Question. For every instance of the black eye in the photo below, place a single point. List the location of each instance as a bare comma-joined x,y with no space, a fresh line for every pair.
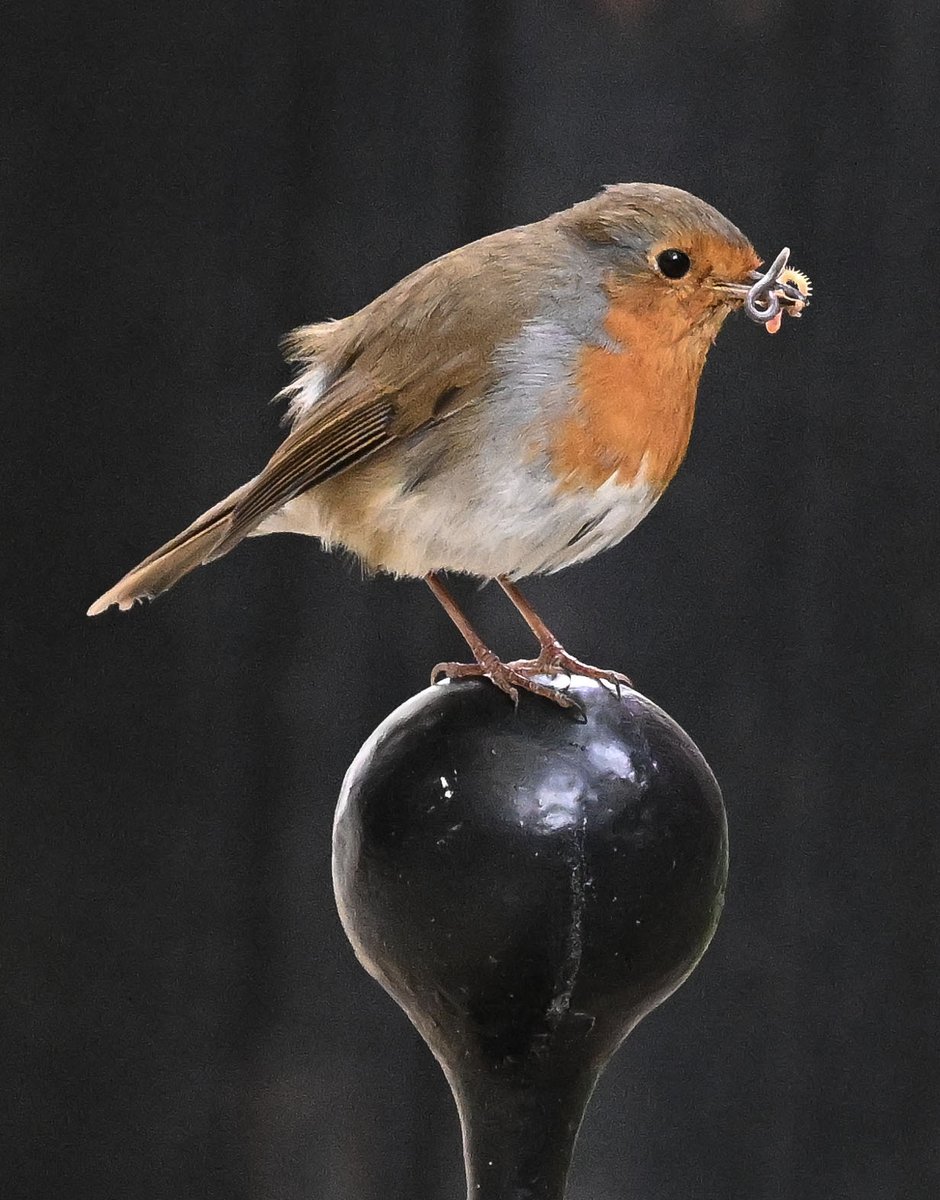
673,263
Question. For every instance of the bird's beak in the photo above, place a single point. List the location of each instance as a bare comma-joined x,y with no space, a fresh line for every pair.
766,295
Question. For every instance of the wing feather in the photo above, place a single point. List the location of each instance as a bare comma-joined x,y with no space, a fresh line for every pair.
325,445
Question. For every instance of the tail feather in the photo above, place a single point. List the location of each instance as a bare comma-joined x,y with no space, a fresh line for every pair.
182,554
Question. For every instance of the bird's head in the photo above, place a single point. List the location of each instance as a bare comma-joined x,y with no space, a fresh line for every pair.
664,250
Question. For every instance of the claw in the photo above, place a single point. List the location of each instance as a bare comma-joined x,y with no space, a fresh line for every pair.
555,660
510,678
522,675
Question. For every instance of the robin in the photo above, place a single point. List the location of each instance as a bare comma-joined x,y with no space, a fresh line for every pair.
509,409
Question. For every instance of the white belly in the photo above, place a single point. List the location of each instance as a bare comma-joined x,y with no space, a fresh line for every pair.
476,493
520,526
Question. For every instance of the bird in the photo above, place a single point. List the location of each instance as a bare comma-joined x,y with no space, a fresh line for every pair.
507,410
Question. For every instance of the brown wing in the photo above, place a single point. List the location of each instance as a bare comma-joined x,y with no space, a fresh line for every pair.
333,440
417,354
421,351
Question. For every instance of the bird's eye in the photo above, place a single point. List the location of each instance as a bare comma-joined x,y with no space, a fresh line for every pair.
673,263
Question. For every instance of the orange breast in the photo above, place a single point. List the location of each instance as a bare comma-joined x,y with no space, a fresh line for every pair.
636,402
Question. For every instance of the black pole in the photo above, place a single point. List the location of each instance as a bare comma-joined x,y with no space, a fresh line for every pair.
528,884
519,1133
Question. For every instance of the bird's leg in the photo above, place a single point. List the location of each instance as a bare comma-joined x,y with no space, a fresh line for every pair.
505,675
553,657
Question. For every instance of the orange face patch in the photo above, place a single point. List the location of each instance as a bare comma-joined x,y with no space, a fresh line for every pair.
636,402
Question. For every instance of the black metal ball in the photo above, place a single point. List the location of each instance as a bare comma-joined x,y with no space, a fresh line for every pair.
528,882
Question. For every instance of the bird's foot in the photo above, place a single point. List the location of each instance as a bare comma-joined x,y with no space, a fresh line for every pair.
508,677
555,660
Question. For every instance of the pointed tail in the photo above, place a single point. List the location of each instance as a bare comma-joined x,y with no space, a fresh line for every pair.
190,549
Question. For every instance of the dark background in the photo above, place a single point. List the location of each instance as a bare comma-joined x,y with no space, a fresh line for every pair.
182,183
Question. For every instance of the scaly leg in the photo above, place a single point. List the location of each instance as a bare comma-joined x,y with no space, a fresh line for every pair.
553,657
508,677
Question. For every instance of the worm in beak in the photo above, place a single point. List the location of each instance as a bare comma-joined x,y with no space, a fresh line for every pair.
767,295
777,290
